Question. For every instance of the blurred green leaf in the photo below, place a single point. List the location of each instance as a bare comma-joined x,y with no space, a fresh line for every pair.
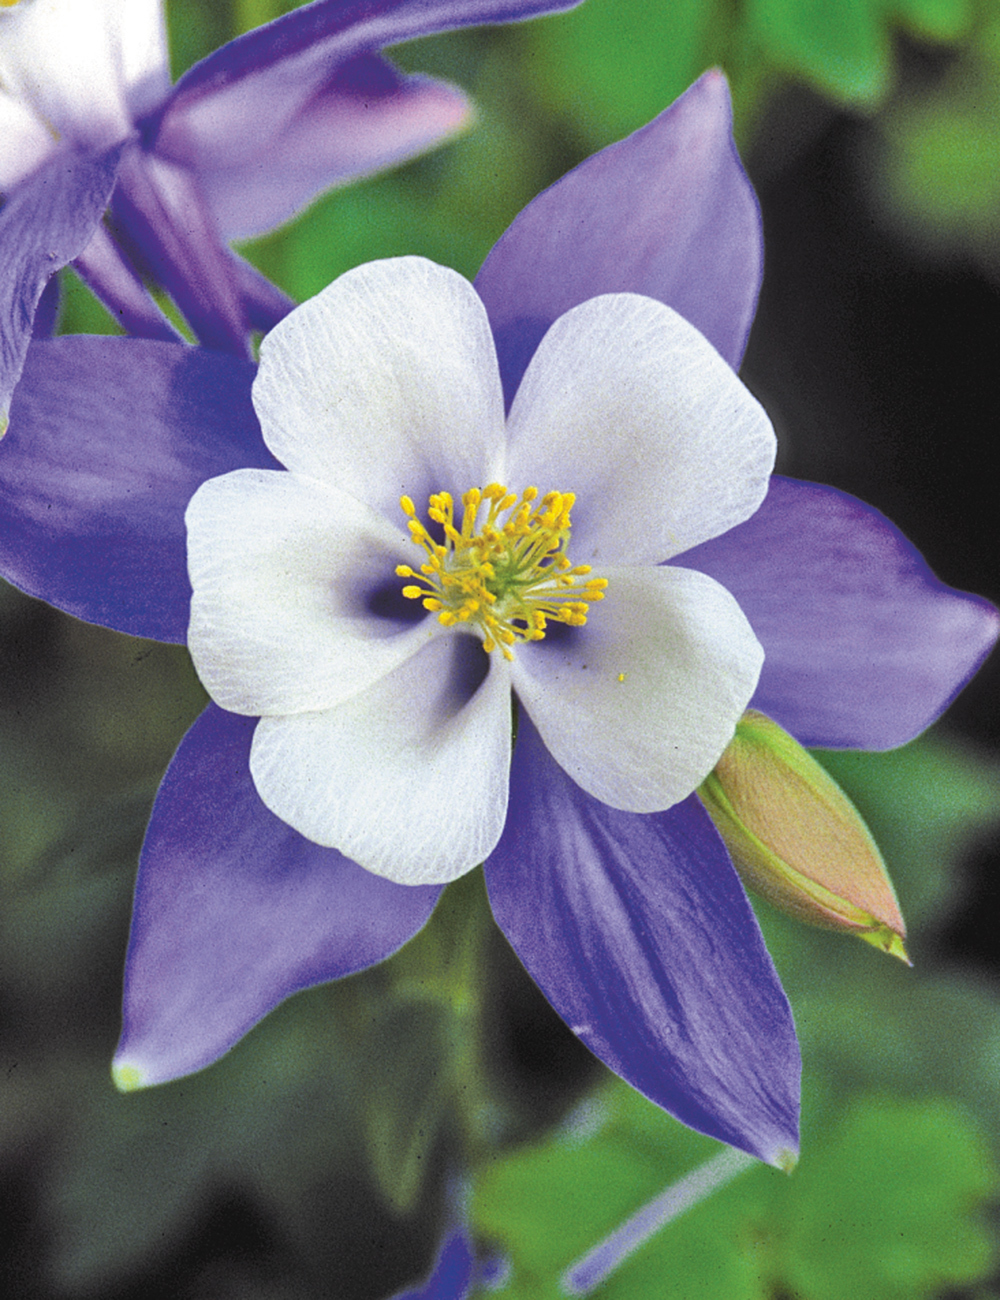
885,1205
925,804
935,20
612,65
839,46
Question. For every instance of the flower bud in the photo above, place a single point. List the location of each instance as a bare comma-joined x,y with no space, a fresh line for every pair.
796,838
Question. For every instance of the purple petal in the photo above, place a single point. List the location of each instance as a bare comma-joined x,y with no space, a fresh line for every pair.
638,932
47,311
107,273
159,208
234,911
863,646
452,1274
301,50
264,303
44,224
108,440
668,212
366,117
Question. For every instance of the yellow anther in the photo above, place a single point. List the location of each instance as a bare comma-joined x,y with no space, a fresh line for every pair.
507,577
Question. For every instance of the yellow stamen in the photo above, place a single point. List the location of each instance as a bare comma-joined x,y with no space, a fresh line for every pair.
507,575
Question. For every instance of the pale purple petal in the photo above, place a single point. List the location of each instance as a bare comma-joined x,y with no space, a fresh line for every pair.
84,67
302,50
363,118
108,440
863,646
667,212
44,224
234,911
159,205
638,932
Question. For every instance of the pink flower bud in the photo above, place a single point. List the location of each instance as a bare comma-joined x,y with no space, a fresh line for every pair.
796,838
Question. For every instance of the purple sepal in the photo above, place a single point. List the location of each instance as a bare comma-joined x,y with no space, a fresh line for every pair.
47,311
863,646
158,207
667,212
234,910
108,440
452,1274
302,49
44,224
264,303
364,117
107,273
637,930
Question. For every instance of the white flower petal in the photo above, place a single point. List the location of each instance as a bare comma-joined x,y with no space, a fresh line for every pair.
385,383
632,409
638,705
85,67
25,141
293,584
410,778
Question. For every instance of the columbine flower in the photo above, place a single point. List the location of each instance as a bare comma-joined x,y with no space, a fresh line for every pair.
633,923
390,739
243,141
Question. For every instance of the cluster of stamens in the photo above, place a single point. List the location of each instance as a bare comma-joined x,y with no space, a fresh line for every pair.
507,576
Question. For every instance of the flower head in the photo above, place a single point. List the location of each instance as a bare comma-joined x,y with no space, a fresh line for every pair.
632,922
385,729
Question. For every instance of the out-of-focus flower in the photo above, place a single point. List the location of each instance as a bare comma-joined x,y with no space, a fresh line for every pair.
388,737
452,1274
634,924
245,139
796,838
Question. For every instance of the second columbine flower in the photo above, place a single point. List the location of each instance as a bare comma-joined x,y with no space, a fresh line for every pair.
382,674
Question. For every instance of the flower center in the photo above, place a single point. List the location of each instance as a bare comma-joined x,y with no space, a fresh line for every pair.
508,575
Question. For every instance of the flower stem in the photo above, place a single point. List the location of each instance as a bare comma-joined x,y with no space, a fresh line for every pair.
591,1269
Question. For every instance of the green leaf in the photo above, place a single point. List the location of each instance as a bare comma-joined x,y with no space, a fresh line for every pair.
925,804
884,1205
840,46
946,21
611,65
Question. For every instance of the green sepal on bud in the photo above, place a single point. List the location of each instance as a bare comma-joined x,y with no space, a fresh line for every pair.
797,840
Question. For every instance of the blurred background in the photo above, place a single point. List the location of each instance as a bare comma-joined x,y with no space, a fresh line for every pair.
325,1154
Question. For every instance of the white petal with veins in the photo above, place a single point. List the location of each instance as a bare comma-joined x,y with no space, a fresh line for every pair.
284,571
385,383
638,705
409,778
631,408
